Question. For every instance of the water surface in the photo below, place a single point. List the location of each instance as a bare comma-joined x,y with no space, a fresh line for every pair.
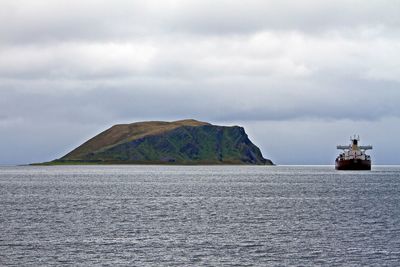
199,216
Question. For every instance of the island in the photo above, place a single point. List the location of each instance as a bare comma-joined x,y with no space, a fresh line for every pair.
183,142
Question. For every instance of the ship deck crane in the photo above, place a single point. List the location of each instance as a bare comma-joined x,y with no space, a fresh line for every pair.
354,145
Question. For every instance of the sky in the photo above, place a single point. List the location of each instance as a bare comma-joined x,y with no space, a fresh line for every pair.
300,76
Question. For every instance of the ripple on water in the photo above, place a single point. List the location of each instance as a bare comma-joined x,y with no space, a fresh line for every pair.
198,215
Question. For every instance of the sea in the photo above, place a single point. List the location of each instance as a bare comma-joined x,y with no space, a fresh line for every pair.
199,216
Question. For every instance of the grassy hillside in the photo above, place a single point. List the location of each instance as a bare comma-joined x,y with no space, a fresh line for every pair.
121,133
179,142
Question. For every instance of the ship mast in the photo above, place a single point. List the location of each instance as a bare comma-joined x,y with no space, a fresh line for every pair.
354,145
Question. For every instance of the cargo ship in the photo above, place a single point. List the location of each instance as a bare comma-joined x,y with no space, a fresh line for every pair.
353,156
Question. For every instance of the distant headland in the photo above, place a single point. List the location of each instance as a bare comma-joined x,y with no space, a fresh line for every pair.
183,142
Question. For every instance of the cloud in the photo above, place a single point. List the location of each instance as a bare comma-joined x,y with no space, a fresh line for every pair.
72,20
221,100
82,66
274,54
74,60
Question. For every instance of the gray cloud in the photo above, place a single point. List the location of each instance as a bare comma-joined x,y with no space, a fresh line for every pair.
27,21
69,69
221,101
279,56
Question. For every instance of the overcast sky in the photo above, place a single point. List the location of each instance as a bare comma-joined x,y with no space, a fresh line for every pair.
300,76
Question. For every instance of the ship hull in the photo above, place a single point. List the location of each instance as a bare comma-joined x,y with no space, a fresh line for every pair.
353,164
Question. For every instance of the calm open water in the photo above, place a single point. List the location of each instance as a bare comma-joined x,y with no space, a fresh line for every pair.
199,216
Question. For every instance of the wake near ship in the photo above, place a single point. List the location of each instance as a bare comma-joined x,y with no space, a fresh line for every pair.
353,156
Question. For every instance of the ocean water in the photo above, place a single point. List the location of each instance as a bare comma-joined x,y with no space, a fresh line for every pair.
199,216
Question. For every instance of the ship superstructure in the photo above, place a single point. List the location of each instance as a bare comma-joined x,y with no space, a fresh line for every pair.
353,156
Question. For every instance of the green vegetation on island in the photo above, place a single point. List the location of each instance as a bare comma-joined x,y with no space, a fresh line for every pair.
156,142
